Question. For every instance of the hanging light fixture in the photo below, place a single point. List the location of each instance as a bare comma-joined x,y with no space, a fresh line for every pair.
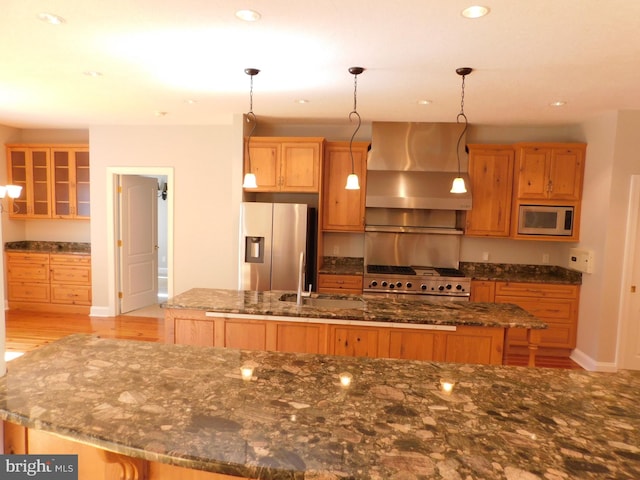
11,191
352,179
250,177
458,185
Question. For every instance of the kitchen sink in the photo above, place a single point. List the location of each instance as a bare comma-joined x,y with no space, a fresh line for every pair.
325,301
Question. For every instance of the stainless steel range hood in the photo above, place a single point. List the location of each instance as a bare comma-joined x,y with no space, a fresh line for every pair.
412,166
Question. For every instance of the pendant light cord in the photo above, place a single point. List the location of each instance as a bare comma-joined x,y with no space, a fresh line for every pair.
251,117
464,130
355,113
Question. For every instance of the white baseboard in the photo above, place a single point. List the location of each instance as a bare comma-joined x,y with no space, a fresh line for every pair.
101,312
588,363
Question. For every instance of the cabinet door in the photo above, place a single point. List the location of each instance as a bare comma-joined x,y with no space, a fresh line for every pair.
70,177
480,345
265,164
491,173
301,338
30,168
412,344
565,174
300,167
483,291
355,342
193,332
533,179
342,209
245,334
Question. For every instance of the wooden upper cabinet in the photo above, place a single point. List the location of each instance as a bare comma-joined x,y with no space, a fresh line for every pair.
342,209
491,173
54,180
70,177
549,172
29,167
284,164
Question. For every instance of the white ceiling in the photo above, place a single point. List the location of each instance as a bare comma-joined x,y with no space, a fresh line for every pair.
157,55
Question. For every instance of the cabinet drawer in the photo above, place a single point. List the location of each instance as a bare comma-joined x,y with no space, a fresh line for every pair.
558,335
62,259
28,292
538,290
340,282
26,257
71,274
71,294
30,272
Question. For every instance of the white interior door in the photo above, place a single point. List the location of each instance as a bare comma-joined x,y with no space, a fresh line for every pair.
630,346
138,242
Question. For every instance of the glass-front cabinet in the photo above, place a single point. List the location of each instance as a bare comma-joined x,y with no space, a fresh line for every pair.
54,181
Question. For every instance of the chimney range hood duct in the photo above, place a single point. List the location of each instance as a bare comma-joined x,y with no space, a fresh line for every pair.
412,165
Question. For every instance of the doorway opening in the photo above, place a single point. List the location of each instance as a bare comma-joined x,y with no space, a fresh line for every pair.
142,242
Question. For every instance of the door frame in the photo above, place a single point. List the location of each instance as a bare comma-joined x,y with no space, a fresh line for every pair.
632,247
112,227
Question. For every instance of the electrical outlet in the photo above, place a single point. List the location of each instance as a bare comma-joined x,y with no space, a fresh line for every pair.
336,250
545,258
485,256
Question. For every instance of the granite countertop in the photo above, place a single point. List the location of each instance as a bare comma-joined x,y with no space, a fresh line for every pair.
507,272
48,247
188,406
401,310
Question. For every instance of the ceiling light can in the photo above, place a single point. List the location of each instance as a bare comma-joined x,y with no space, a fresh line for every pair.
475,11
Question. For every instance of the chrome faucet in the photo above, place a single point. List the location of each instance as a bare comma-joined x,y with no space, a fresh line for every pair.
301,293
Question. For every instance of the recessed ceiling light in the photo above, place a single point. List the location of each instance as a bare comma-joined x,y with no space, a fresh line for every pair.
475,11
301,101
424,102
161,114
558,103
190,101
248,15
51,18
92,73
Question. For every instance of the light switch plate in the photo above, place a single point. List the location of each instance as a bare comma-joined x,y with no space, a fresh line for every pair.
581,260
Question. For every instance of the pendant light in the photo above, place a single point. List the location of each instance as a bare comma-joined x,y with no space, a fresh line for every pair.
352,179
458,185
250,177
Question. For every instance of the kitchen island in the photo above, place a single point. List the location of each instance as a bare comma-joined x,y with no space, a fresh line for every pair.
152,408
404,327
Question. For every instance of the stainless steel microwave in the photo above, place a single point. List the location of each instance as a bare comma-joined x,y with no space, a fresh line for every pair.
545,220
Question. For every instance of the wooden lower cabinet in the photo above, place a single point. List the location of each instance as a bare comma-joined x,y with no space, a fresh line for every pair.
340,283
555,304
49,282
483,345
95,463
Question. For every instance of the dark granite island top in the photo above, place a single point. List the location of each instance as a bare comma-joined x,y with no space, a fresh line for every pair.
188,406
415,312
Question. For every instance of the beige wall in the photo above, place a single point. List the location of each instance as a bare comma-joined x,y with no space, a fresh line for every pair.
207,164
612,157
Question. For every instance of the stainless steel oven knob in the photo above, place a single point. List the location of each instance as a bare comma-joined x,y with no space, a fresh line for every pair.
458,287
399,284
423,286
441,288
374,283
409,284
449,286
384,284
391,285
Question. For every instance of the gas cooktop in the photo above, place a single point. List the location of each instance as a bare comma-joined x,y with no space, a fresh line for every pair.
414,270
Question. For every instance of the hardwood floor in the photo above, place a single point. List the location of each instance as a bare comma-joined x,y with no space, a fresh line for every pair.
28,330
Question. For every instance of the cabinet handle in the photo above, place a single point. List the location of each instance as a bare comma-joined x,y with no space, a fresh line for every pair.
550,186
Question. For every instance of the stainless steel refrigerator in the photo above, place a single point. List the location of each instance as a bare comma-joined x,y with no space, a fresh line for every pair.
272,236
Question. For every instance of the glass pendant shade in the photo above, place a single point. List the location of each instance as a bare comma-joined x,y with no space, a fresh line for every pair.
12,191
352,182
458,185
250,181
